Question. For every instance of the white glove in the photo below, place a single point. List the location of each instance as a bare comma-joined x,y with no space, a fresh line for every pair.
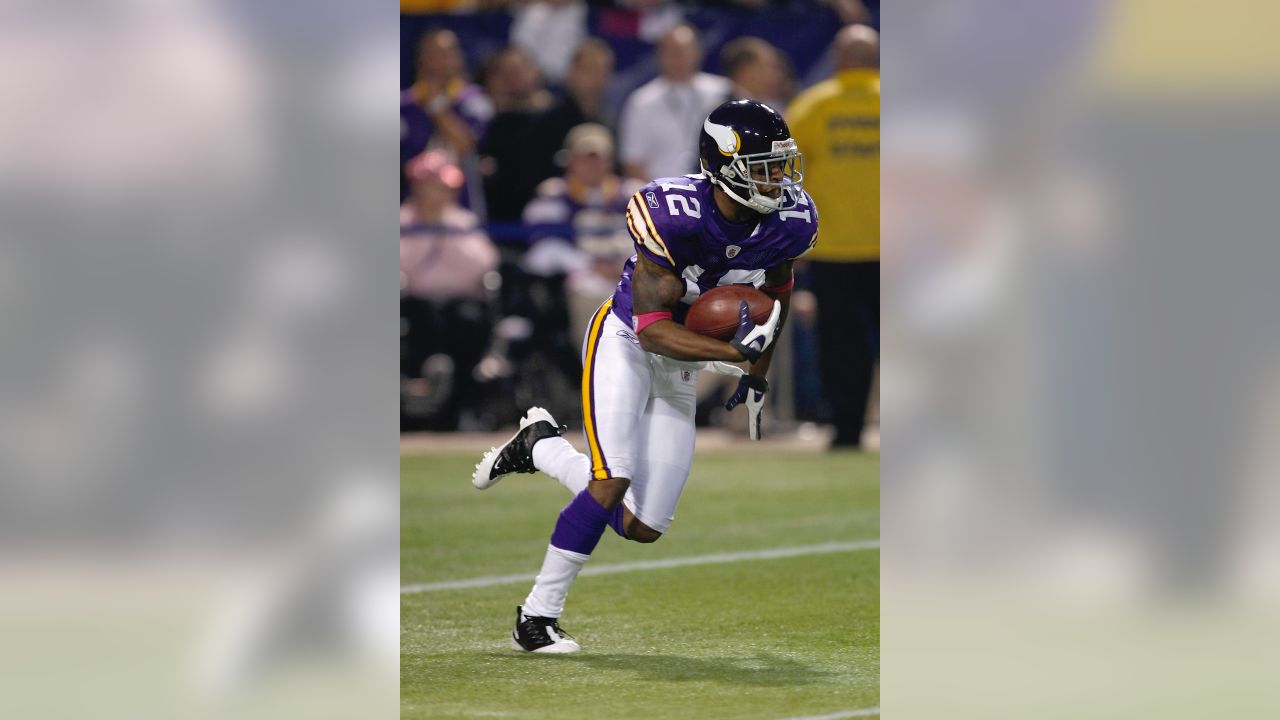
723,368
752,389
752,339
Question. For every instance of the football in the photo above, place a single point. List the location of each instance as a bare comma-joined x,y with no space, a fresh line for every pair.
715,312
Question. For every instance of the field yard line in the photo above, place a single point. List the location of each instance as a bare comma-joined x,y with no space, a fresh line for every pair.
864,712
713,559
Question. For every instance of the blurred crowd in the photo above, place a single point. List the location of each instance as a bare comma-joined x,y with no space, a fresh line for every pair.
517,162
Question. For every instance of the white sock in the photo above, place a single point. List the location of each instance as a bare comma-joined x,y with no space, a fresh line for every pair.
559,568
557,458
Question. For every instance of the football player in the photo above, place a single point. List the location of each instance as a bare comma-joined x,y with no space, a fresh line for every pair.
743,220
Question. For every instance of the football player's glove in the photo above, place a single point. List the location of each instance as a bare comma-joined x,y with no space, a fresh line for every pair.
752,389
723,368
752,339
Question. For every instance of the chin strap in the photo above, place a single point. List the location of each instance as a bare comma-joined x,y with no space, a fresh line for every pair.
729,190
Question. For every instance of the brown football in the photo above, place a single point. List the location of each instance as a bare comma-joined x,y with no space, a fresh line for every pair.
715,312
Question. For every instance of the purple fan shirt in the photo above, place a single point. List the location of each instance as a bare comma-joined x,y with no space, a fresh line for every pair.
416,127
675,223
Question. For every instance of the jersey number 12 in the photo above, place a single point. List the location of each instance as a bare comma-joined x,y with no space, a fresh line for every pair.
800,200
688,205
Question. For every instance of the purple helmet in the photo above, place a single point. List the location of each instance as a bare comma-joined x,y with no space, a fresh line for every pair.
747,150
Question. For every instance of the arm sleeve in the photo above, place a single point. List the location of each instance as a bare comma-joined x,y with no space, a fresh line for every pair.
644,233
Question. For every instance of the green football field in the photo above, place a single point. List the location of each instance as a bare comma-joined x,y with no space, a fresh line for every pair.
744,636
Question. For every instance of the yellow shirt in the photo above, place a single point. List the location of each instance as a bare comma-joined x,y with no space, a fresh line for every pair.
836,125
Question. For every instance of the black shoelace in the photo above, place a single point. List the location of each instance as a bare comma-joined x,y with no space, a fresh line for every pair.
537,627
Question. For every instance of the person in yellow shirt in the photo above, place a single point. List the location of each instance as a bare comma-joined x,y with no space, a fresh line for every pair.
836,124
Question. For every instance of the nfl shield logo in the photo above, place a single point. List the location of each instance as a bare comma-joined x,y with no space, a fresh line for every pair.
732,251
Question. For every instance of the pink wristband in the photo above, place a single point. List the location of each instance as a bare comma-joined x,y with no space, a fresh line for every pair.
644,320
784,287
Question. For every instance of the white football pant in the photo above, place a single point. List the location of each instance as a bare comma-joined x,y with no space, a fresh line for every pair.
637,412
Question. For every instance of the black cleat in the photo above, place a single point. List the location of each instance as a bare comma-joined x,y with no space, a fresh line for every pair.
516,455
541,635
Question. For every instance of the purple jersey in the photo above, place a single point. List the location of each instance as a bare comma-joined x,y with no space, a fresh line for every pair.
467,101
674,222
590,218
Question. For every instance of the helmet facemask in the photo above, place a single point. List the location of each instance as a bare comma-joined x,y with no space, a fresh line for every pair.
765,182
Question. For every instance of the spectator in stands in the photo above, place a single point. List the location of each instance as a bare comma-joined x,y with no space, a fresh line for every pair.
514,83
549,31
445,259
508,158
577,223
661,119
442,110
837,126
757,71
590,71
854,11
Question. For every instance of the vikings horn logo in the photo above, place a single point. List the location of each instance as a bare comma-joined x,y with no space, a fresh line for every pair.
726,137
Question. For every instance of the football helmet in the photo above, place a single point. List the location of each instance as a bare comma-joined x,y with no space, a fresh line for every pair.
746,150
